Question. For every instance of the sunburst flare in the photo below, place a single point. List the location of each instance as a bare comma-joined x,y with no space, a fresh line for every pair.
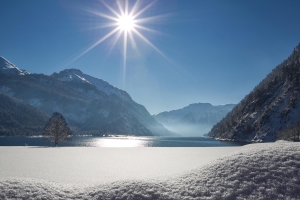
126,21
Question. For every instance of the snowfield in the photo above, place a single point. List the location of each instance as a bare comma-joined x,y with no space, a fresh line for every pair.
256,171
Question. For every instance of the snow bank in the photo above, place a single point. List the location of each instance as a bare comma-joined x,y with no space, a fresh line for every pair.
93,166
268,171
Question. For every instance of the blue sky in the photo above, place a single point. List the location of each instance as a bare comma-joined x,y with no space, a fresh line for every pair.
217,51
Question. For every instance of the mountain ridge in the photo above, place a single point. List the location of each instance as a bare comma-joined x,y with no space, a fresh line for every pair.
77,75
9,68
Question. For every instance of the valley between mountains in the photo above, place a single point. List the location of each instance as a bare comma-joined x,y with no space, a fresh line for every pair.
93,106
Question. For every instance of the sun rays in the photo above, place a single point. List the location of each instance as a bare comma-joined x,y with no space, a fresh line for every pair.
126,23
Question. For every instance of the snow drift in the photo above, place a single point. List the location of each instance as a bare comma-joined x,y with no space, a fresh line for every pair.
260,171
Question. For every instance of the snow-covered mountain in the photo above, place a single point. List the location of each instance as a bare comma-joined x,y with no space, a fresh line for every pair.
9,68
90,105
193,120
273,105
76,75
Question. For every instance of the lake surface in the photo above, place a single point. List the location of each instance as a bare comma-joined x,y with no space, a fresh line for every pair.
90,141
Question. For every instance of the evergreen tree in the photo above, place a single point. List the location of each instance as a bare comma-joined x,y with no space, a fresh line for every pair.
57,129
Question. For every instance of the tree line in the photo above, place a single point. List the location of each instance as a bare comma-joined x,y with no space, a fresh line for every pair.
292,132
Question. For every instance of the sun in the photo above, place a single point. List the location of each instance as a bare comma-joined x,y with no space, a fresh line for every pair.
126,23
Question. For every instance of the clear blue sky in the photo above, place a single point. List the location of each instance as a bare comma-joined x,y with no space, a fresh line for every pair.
217,51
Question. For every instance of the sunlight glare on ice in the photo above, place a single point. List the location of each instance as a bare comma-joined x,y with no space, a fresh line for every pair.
115,142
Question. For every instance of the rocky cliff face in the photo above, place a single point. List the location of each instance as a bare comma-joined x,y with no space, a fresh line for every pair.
273,105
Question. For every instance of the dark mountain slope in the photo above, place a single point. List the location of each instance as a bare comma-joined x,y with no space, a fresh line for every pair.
273,105
18,118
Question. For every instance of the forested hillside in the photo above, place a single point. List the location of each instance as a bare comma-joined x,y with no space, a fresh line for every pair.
272,106
18,118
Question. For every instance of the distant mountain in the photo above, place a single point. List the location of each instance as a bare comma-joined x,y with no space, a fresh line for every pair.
193,120
90,105
272,106
18,118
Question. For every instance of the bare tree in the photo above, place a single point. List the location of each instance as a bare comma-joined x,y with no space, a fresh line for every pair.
57,129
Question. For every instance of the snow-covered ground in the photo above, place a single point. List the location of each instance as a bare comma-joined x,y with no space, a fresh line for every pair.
94,165
256,171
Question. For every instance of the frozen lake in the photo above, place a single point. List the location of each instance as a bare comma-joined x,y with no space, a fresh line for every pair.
90,141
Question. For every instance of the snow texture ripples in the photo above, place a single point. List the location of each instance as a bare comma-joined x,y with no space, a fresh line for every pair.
264,171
